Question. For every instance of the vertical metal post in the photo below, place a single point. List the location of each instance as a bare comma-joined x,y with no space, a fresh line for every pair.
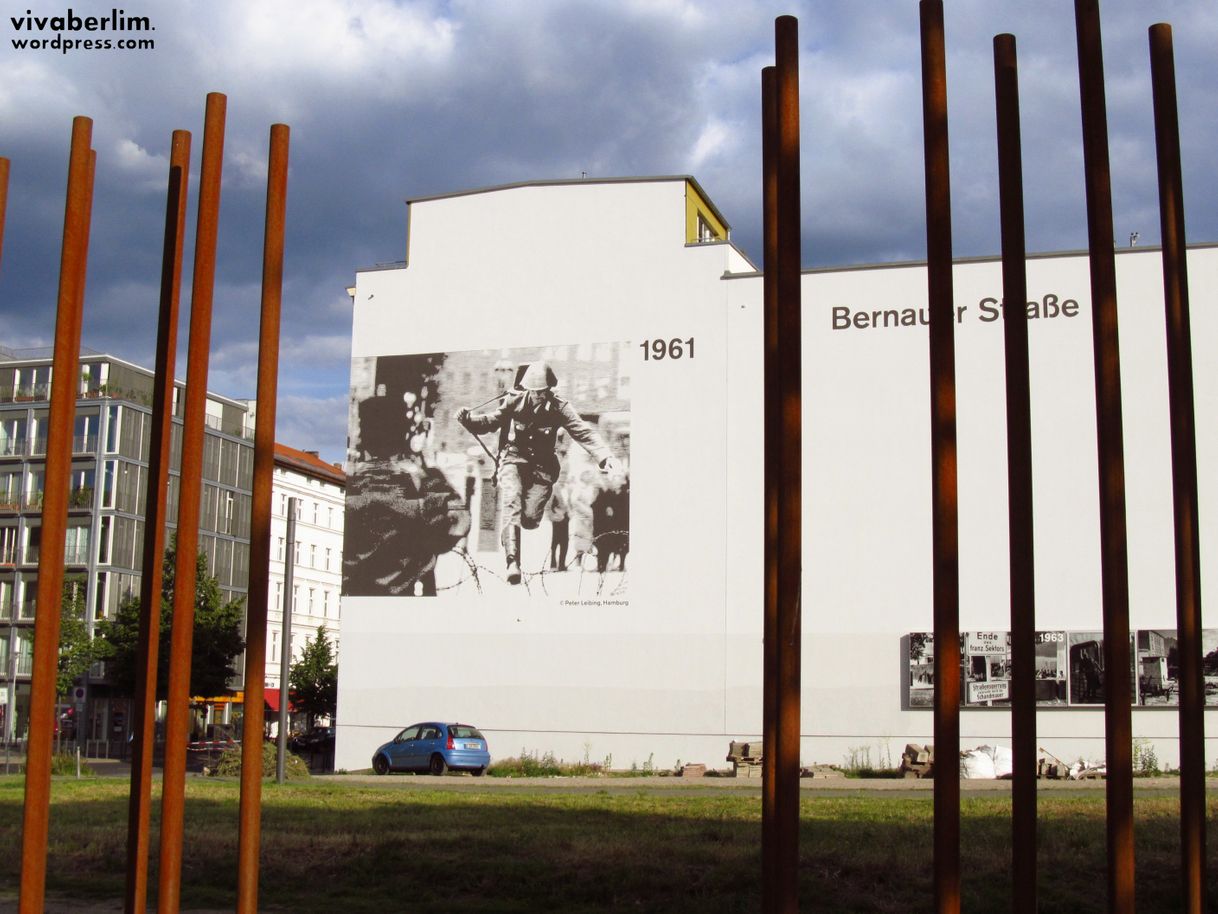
249,838
173,790
1019,476
285,653
790,461
1184,471
1114,558
945,545
11,661
773,424
143,709
54,521
4,167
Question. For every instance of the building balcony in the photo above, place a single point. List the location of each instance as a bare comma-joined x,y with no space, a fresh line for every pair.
9,503
26,393
14,447
81,499
84,444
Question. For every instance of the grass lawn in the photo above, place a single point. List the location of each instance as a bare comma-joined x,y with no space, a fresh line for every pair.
360,847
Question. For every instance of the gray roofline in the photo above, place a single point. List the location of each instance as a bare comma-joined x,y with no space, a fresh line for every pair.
979,258
562,182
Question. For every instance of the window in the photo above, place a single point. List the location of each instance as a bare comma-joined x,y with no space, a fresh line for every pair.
283,505
8,545
12,437
10,490
279,596
76,545
296,553
112,413
99,595
6,602
325,603
103,540
295,599
279,550
330,515
274,646
27,604
312,592
312,556
34,481
316,509
110,484
84,432
328,557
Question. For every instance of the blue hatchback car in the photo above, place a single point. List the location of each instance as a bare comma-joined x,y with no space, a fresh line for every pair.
434,747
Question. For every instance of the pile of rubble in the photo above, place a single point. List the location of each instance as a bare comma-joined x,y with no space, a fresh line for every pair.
917,761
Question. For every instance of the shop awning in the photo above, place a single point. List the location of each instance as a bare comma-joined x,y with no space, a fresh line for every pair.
272,700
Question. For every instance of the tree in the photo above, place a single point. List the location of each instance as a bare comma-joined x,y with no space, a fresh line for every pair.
216,643
77,651
313,679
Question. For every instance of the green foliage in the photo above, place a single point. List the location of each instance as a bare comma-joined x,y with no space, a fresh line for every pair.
229,764
532,765
77,651
64,763
1145,759
313,679
858,764
215,645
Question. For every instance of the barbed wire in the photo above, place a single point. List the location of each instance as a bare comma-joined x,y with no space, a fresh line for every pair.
529,579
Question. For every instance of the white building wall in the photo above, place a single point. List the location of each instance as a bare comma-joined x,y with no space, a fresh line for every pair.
317,570
674,672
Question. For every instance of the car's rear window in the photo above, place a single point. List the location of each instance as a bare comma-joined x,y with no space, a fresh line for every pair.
461,731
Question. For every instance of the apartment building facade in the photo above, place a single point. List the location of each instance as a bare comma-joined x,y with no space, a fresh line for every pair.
109,478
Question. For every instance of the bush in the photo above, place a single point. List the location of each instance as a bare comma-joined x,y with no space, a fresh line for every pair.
533,765
65,763
229,764
1145,759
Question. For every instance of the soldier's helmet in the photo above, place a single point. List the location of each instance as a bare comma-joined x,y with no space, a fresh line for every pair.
538,376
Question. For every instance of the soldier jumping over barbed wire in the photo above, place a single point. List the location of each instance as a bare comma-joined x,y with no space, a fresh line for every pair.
528,419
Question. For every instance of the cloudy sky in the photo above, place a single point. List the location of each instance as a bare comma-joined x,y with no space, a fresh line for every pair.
393,100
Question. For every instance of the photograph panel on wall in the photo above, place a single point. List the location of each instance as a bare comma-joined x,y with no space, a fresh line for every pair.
1052,662
482,471
1158,666
1086,670
987,679
921,680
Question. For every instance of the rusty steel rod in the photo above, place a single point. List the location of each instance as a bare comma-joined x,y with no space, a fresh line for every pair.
790,461
945,543
1114,558
185,573
249,837
1019,476
74,256
143,716
4,168
1184,471
772,423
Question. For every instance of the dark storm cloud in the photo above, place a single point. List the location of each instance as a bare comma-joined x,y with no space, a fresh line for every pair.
393,100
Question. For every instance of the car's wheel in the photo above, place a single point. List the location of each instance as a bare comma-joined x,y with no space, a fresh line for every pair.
380,765
438,765
478,772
